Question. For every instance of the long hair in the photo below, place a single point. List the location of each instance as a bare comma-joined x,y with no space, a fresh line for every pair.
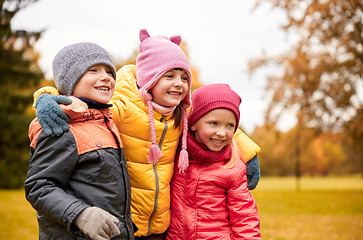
178,115
234,155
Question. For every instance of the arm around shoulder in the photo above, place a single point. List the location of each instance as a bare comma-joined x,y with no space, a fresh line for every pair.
40,91
248,149
125,89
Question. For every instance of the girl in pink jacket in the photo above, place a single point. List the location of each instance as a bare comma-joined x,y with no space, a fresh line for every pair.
210,200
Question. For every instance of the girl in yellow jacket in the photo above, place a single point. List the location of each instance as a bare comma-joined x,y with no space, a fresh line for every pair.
149,110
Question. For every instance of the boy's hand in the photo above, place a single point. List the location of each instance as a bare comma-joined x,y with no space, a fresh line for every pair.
253,173
50,115
97,223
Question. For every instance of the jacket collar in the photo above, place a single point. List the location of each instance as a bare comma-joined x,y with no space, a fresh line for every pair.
79,111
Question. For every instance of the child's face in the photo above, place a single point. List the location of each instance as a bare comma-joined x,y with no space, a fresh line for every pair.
96,84
171,89
215,129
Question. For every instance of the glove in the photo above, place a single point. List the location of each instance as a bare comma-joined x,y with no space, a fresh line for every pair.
50,115
97,223
253,173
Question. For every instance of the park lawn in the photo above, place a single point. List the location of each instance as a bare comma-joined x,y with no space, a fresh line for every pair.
324,208
18,218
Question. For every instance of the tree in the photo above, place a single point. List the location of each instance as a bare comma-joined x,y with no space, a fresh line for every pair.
277,150
323,154
354,141
322,72
20,76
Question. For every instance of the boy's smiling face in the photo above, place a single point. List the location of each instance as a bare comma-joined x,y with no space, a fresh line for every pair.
96,84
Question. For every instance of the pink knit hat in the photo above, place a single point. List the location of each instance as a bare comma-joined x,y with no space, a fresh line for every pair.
157,55
213,96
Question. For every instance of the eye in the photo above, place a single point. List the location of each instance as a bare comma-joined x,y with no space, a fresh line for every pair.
169,76
213,123
231,125
185,78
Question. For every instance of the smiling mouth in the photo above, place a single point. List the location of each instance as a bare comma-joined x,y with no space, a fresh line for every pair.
103,88
174,93
217,141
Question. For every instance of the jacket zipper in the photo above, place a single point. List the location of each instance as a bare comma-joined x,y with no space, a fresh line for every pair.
123,166
195,196
157,187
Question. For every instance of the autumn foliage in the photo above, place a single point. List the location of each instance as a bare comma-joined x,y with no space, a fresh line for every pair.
320,79
321,154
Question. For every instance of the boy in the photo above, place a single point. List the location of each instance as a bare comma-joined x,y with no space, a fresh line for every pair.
78,182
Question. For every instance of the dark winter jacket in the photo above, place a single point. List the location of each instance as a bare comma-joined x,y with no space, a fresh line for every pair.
83,167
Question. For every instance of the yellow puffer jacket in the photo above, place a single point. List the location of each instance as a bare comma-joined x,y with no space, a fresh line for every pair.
150,184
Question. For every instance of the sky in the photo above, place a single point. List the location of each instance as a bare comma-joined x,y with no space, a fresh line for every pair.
221,37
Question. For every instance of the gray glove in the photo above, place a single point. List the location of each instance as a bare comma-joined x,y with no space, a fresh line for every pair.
50,115
253,173
97,223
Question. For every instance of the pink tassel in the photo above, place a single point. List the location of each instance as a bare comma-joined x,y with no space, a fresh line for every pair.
183,161
154,153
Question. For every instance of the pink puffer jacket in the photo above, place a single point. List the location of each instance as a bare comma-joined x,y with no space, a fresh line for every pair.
211,201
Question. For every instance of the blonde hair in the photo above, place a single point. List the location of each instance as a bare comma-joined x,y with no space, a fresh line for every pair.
234,155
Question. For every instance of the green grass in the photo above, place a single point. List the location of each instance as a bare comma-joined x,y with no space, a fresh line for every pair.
18,219
324,208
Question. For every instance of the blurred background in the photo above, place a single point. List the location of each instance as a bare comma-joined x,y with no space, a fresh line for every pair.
297,65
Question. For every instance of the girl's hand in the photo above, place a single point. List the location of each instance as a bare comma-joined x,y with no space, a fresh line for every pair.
50,115
253,173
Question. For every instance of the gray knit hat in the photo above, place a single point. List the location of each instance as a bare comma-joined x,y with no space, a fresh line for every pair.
73,61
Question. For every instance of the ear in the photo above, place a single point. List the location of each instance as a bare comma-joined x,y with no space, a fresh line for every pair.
143,35
193,128
176,39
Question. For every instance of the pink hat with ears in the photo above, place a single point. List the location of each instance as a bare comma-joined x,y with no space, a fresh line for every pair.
157,55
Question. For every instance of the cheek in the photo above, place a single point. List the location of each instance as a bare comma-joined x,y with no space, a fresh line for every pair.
185,91
230,136
78,91
186,87
113,83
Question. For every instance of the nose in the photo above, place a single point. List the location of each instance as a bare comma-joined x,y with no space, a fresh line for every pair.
104,76
221,132
178,81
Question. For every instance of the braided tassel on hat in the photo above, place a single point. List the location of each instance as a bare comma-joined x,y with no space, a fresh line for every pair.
183,157
154,151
